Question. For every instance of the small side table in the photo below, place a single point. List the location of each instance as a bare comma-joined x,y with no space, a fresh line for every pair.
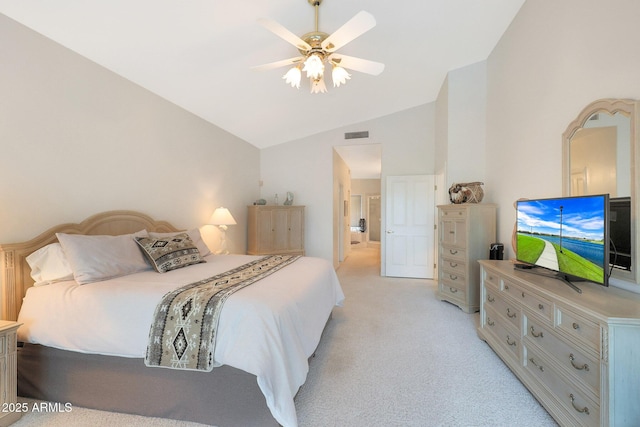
10,411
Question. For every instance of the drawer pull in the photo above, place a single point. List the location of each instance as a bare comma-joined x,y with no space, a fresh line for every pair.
453,251
453,264
490,298
523,295
584,410
489,322
540,307
506,287
511,315
453,277
575,326
536,335
584,367
512,343
536,365
453,290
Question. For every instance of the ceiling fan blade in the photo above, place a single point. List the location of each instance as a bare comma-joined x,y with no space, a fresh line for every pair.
358,64
355,27
283,33
278,64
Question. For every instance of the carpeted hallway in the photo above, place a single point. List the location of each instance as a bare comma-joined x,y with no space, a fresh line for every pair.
392,356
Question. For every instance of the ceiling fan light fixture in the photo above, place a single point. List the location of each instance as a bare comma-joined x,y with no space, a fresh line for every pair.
318,85
314,66
339,76
293,77
318,50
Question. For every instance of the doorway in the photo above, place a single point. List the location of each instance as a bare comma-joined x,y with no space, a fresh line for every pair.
359,188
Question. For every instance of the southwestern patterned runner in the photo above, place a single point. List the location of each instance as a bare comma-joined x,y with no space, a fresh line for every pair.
183,333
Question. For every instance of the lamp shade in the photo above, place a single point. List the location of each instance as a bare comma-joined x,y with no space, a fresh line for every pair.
222,216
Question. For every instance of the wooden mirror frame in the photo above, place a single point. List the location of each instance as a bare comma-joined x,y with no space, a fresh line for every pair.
630,108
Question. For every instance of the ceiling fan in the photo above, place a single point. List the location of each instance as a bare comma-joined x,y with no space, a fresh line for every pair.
318,49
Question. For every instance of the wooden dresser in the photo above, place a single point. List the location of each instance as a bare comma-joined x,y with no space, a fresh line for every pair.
275,230
578,354
10,411
465,233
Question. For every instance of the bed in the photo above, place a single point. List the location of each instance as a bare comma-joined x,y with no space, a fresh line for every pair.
76,350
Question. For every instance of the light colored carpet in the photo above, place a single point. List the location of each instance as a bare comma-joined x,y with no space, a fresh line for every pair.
392,356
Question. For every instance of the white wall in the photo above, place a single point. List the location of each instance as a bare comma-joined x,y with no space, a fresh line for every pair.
305,166
461,125
77,139
555,58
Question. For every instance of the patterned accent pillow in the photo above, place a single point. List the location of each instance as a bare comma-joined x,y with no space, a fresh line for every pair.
170,252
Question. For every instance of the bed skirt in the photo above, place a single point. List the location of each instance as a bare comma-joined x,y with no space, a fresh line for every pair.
224,397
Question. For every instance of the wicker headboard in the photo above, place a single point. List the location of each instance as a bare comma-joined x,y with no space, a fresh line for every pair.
16,274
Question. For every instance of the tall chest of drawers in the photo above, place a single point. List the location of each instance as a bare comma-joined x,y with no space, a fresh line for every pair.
578,353
465,233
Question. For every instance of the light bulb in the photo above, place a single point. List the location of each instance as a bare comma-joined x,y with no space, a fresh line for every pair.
318,86
293,77
339,76
314,66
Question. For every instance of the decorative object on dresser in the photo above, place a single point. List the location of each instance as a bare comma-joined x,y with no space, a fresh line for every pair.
465,235
275,230
468,192
577,353
289,200
222,218
11,411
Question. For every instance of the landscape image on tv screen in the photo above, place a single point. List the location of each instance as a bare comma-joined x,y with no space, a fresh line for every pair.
565,235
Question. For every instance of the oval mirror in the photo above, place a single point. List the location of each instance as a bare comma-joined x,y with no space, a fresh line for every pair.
599,156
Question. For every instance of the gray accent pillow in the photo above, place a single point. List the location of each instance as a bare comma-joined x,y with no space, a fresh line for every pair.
95,258
170,252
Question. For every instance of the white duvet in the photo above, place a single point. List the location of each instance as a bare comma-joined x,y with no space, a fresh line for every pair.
268,329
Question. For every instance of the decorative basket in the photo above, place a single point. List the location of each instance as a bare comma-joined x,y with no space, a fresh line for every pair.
467,192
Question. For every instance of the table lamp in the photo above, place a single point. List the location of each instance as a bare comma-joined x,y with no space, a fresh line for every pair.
222,218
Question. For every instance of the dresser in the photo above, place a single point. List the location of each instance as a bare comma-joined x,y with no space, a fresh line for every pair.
275,230
465,233
9,410
578,353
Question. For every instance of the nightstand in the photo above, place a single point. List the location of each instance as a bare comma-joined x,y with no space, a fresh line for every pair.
9,410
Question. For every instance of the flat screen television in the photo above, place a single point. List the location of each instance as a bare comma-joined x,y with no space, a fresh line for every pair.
568,235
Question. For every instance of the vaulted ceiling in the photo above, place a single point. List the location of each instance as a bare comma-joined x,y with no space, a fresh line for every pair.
198,53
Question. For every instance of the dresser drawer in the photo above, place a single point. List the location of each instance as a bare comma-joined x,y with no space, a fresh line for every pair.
579,327
505,337
574,401
491,280
454,266
453,213
533,302
507,309
577,363
453,290
453,253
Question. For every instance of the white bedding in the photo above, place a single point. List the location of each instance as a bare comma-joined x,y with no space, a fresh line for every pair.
268,329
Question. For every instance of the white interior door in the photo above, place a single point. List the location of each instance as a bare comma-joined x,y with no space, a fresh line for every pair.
409,226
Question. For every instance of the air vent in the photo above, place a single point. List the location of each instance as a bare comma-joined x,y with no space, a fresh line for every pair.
356,135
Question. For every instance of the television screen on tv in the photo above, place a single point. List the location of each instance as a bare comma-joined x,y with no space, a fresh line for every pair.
568,235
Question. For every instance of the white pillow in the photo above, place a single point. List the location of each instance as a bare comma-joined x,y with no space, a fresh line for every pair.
194,235
95,258
49,264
